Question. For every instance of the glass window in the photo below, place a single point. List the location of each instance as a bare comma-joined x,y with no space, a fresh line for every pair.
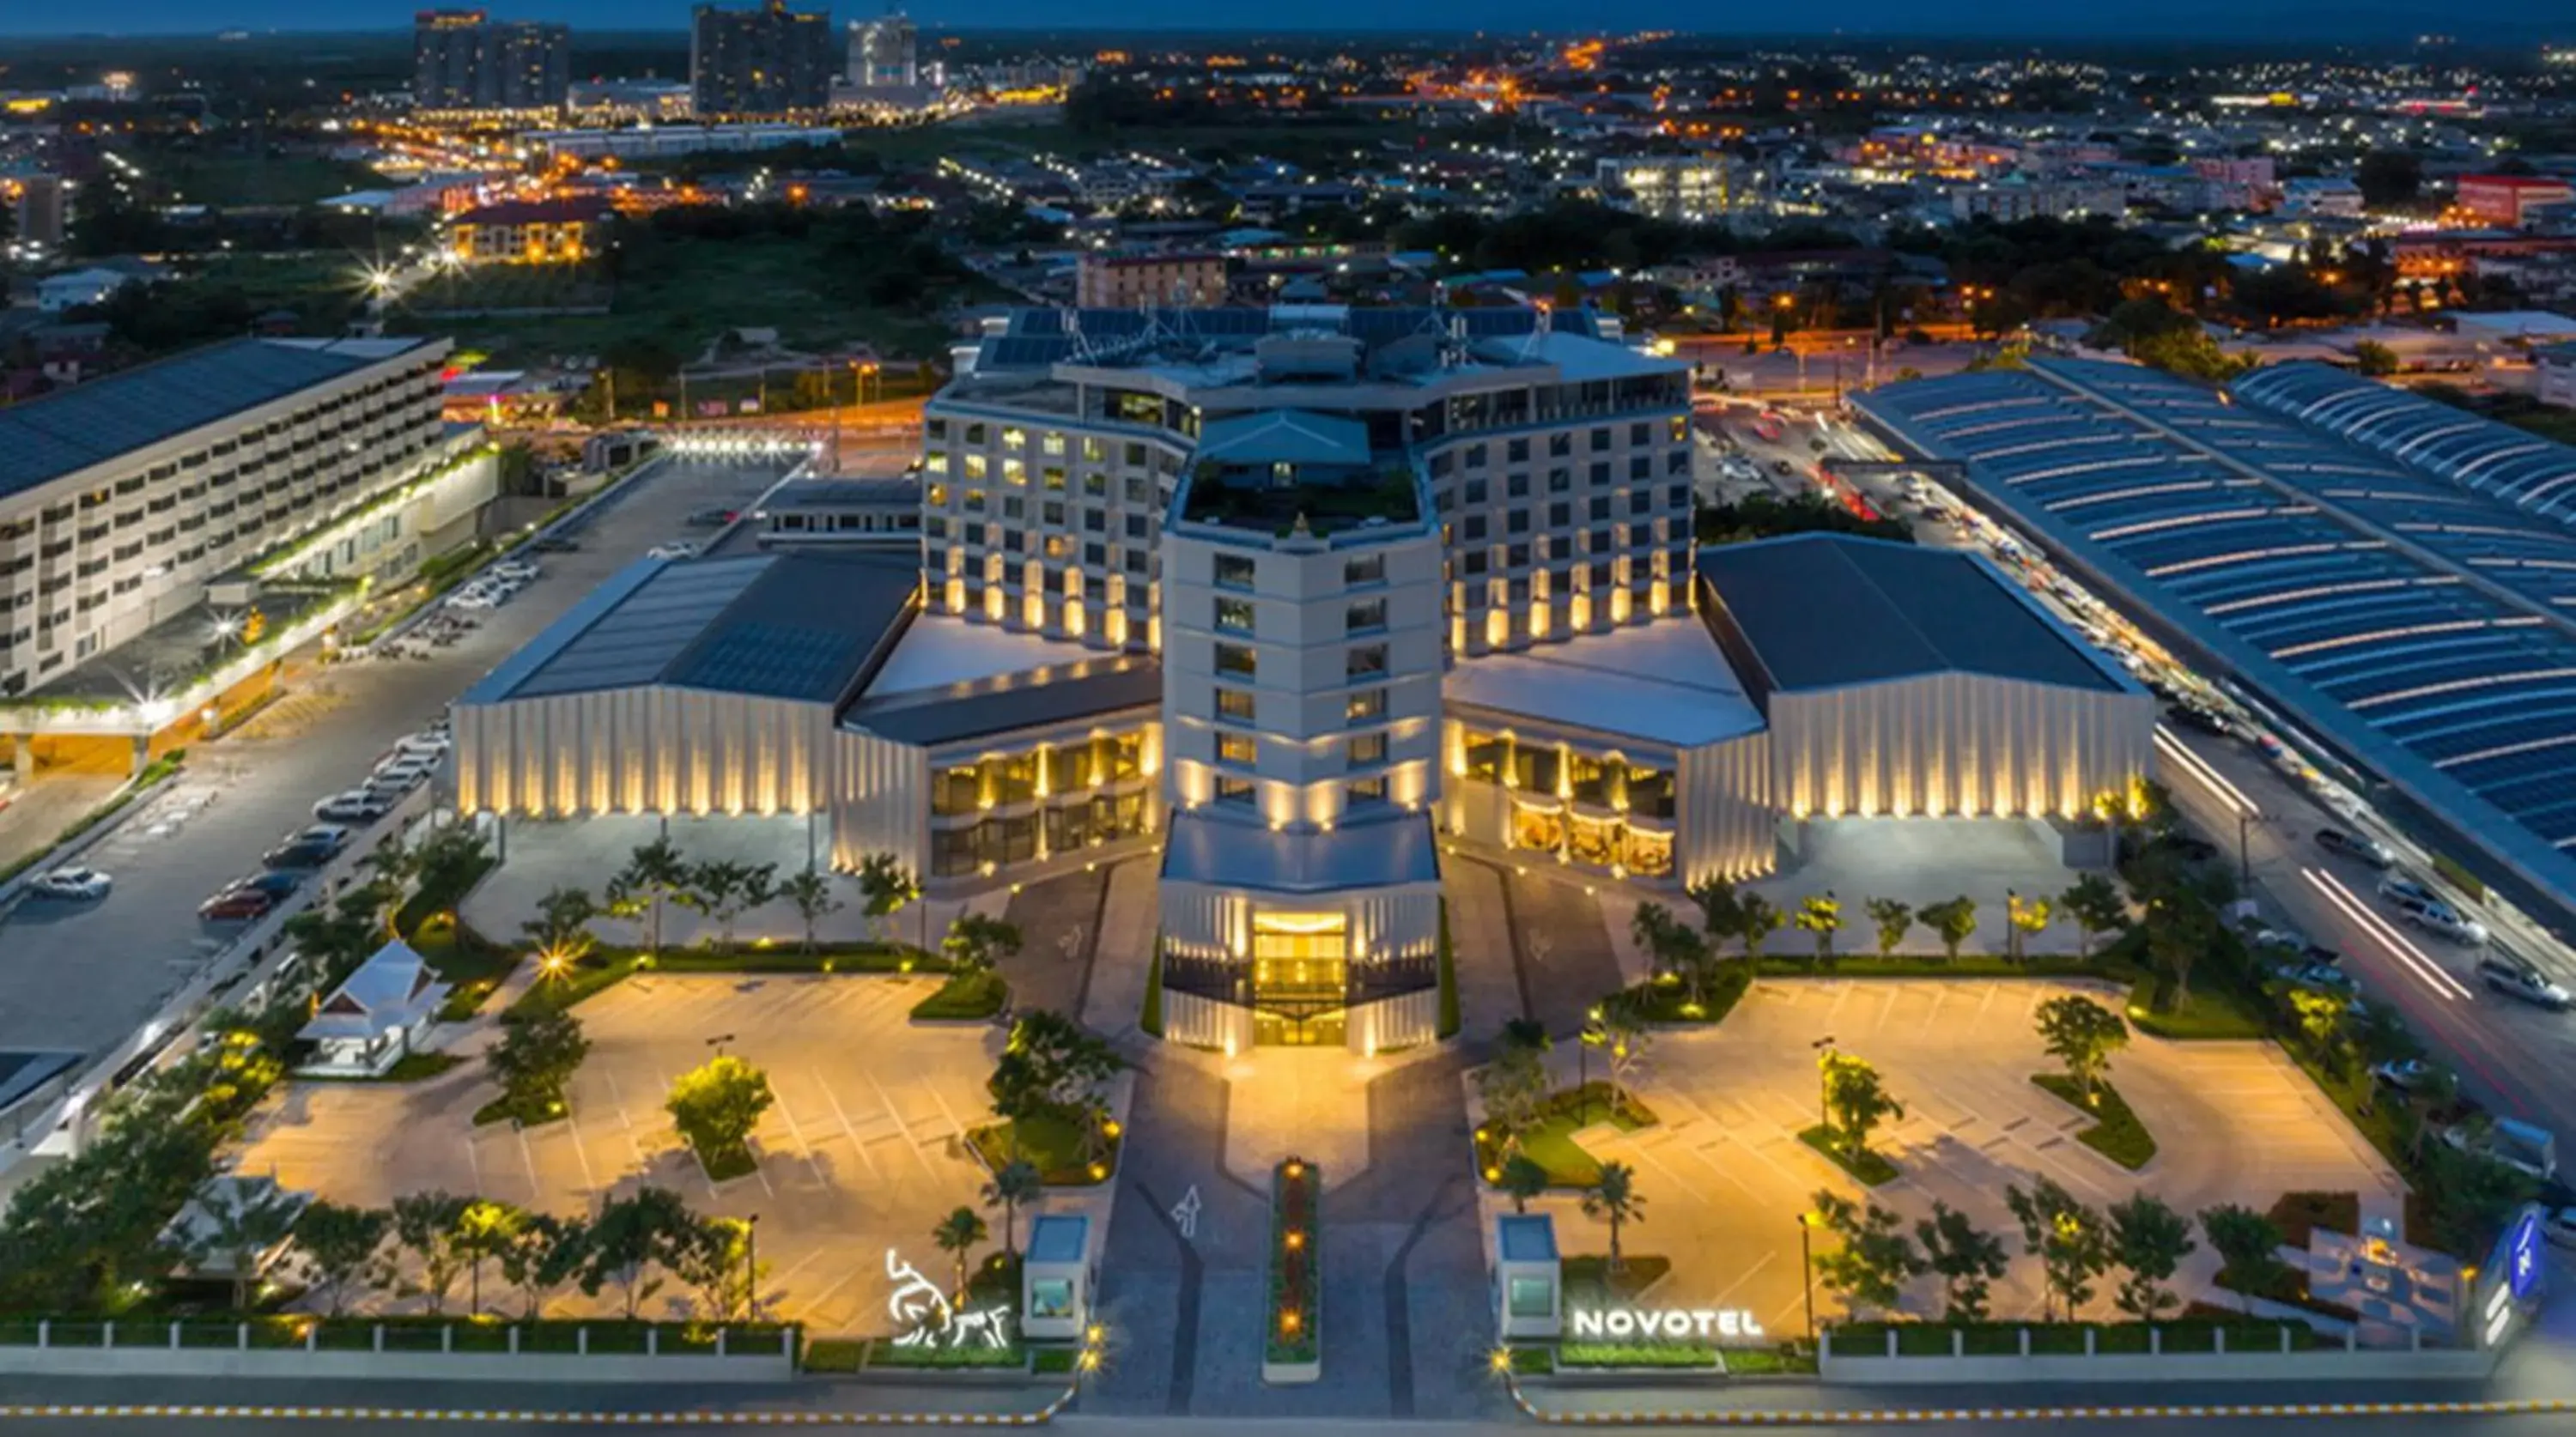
956,790
1236,660
1370,570
1236,748
1363,705
1364,661
1366,749
1485,756
1365,792
1516,451
1591,780
1536,769
1234,704
1530,1297
1235,571
954,851
1234,615
1230,789
1053,1297
1365,616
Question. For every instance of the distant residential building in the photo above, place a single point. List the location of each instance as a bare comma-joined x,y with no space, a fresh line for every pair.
843,514
74,289
885,53
38,203
2510,201
630,100
1669,187
529,232
2014,198
1129,281
2316,196
2556,367
765,61
652,142
463,60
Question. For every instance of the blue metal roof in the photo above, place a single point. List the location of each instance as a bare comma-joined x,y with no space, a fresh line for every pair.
2422,628
66,432
1205,848
2477,454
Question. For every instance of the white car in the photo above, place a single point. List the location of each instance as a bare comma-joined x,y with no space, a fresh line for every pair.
358,805
519,570
676,549
472,599
402,773
430,745
82,884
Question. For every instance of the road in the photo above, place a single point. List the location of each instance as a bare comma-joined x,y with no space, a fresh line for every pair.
82,977
2517,1059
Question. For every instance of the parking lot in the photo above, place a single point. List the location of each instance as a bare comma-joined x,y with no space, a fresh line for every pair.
80,977
862,1151
1725,1177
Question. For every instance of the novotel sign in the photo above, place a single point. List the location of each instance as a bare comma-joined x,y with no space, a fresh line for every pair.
1672,1324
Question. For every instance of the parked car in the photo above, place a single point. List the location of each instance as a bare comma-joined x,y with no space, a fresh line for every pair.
2405,1074
473,598
236,905
2524,1147
275,882
2506,974
2442,920
423,745
331,835
556,544
2559,1227
74,883
2353,845
710,516
676,549
2200,720
358,805
524,571
2318,975
297,855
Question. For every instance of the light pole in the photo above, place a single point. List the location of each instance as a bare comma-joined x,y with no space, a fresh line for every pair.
1807,1265
1824,1108
718,1042
1583,1042
751,1270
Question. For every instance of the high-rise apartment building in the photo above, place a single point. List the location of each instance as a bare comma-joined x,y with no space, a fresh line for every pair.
765,61
463,60
885,53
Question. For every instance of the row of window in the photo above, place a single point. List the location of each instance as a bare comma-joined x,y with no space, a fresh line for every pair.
1602,781
1243,571
1360,662
1015,838
1236,791
1560,445
1052,771
1243,750
1234,616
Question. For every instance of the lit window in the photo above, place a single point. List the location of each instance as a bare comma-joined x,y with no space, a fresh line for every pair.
1234,615
1236,660
1367,749
1365,705
1237,749
1234,704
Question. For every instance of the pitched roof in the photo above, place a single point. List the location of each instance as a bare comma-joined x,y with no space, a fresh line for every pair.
394,988
68,431
1818,611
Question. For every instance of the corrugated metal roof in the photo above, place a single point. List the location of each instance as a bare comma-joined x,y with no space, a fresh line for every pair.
66,432
1831,610
1007,703
1208,849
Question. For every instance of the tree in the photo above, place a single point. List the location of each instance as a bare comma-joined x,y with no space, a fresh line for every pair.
957,1235
425,1224
2096,907
1721,908
1016,1182
2067,1238
2246,1242
342,1247
977,942
1952,920
1871,1265
543,1253
713,1255
2026,918
811,893
887,887
1652,925
1757,919
484,1230
1624,1039
2081,1034
629,1238
2320,1017
2150,1240
561,930
2470,1195
654,874
1614,1199
1967,1259
2389,178
1857,1098
1522,1178
1513,1089
1527,1033
1892,919
724,890
2179,929
1050,1063
2375,359
534,1060
243,1223
717,1107
1821,915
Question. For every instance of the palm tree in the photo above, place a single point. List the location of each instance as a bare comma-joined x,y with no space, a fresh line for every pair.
957,1235
654,874
1614,1200
1018,1181
1523,1178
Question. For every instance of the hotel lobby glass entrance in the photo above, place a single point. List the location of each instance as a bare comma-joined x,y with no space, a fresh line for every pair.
1300,973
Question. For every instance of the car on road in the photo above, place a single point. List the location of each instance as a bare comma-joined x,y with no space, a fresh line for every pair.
676,549
2199,720
2559,1227
524,571
2514,978
74,883
2442,920
298,854
2354,845
2397,888
358,805
2404,1074
236,905
710,516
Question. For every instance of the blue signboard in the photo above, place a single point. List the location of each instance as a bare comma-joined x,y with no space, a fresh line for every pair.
2523,1258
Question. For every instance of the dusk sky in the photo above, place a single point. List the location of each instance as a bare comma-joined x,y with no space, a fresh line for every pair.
2312,20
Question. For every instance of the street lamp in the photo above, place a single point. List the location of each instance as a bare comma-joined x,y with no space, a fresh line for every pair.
718,1041
1825,1046
751,1268
1593,1032
1807,1265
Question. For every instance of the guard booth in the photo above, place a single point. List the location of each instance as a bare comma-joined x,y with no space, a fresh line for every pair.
1056,1278
1529,1280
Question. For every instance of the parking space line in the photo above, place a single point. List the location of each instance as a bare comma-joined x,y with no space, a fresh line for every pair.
844,1119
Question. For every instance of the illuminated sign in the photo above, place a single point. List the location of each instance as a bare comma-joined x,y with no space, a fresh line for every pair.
1675,1324
918,1305
2522,1258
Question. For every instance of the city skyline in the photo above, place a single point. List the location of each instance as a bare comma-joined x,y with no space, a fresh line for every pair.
2507,22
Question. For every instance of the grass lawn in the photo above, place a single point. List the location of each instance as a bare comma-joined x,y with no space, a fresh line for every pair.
1589,1282
1668,999
1933,965
2213,1014
2116,1133
2351,1092
1053,1361
473,964
502,1110
1053,1141
605,968
733,1162
1866,1167
965,997
1550,1141
2299,1213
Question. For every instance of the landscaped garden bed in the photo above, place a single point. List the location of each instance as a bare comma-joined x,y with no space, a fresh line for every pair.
1550,1143
2116,1133
1293,1342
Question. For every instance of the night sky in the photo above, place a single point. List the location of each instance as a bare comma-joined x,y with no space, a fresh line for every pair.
2303,20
